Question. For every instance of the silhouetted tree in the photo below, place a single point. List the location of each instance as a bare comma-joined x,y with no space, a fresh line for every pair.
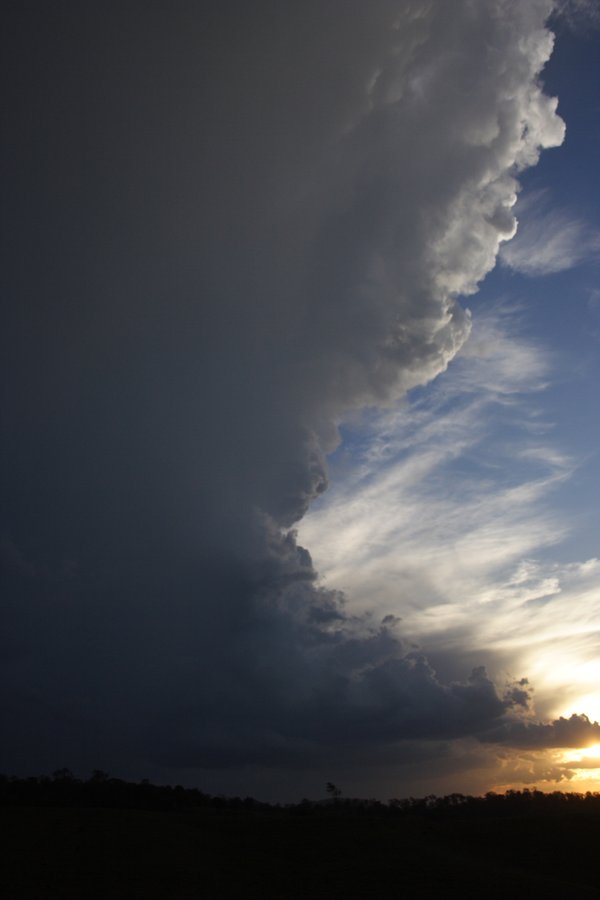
333,791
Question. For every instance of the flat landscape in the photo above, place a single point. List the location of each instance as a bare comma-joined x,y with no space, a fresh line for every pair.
311,851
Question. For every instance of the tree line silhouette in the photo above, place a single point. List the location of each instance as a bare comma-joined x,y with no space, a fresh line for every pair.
63,789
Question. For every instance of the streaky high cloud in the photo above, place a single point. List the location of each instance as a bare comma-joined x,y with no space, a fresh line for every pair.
548,240
431,492
578,14
234,226
442,515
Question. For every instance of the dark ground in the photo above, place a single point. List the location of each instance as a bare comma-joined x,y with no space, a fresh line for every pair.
209,853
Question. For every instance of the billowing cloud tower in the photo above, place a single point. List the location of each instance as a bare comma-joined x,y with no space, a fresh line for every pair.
241,221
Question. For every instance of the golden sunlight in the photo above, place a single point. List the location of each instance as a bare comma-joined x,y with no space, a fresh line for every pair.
585,755
584,765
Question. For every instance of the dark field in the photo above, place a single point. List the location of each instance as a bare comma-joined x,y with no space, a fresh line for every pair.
186,854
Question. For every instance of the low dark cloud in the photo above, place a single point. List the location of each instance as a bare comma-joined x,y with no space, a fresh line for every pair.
575,731
227,225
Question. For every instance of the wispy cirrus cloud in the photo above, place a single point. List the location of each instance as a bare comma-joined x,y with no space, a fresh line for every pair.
440,481
578,14
447,521
548,240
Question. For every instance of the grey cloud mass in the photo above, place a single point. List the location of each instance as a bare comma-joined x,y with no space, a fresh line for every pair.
227,225
576,731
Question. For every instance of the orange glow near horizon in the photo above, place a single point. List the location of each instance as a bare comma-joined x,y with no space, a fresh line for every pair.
584,762
577,770
584,755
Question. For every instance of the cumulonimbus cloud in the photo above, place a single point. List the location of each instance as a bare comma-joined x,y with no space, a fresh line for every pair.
281,208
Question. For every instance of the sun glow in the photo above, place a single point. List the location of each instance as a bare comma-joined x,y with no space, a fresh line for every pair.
590,705
584,766
587,756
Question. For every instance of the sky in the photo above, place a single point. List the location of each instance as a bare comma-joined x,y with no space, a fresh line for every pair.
300,347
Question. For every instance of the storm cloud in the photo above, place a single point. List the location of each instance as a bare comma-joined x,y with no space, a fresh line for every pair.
229,225
576,731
